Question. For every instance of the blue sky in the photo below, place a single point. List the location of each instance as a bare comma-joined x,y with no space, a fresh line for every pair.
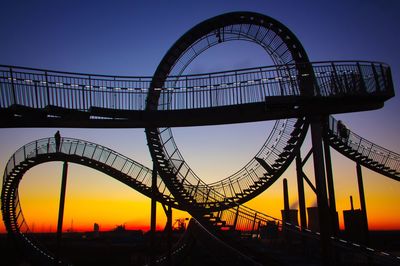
131,37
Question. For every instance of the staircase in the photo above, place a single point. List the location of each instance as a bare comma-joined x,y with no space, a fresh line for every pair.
362,151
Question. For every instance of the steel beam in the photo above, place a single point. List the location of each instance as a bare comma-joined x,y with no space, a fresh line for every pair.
301,194
61,207
168,230
331,189
153,214
362,202
319,170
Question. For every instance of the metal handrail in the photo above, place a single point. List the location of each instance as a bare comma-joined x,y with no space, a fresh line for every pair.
188,75
241,180
240,218
366,148
83,91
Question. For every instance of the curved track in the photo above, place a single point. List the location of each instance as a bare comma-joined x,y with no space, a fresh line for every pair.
285,50
363,151
286,137
240,218
80,152
292,89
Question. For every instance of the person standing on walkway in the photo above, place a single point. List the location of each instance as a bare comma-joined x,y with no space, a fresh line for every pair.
57,137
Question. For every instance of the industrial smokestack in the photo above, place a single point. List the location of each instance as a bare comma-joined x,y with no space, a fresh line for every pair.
351,203
288,215
285,195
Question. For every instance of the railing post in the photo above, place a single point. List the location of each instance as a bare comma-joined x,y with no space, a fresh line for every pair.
337,83
47,88
36,94
237,88
186,92
209,78
376,77
197,186
13,87
83,153
383,74
363,88
90,91
83,96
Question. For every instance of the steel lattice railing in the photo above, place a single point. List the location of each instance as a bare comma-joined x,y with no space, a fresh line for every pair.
240,218
39,89
365,151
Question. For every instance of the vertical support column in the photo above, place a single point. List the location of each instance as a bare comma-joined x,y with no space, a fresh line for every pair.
331,189
153,214
236,218
61,207
168,230
301,194
319,171
362,202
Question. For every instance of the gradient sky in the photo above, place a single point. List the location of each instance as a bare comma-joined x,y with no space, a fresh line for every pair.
131,37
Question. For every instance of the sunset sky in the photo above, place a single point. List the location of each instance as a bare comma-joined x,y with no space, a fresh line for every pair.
130,38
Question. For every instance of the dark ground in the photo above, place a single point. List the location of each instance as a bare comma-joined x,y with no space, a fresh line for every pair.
131,248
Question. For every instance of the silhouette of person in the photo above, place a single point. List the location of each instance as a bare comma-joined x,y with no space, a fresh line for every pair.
57,137
339,126
342,130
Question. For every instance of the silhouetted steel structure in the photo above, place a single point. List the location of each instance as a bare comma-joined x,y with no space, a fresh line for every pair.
295,90
42,98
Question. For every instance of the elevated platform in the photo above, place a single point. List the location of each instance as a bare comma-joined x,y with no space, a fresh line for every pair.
42,98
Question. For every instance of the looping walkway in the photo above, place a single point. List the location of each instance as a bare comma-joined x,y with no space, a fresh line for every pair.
294,90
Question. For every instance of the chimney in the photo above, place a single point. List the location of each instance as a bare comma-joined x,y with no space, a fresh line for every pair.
285,195
351,203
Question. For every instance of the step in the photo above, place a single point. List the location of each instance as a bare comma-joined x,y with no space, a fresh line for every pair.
265,178
299,123
248,191
296,131
293,140
265,165
368,160
285,154
289,147
277,165
281,160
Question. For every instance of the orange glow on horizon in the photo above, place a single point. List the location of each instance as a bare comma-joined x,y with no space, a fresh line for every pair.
93,197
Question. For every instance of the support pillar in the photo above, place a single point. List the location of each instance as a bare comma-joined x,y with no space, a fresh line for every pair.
331,189
168,230
61,207
362,202
301,194
153,214
319,171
